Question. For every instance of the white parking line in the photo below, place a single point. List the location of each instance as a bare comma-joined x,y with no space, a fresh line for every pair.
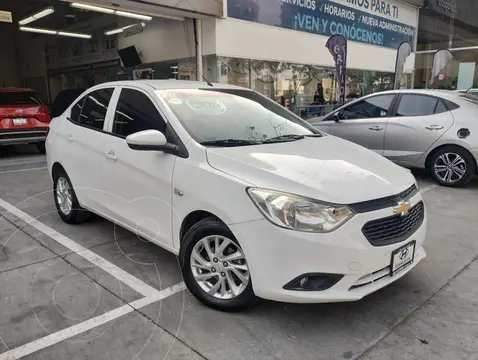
87,325
126,278
20,170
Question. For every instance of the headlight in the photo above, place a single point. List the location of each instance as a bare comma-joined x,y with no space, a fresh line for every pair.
297,212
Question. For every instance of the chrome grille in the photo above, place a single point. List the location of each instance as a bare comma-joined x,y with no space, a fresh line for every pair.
394,228
383,203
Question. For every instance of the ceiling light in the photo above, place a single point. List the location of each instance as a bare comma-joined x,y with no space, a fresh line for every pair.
120,30
73,34
133,15
55,32
36,30
111,11
36,16
92,8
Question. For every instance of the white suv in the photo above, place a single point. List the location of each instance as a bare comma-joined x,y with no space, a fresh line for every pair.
255,201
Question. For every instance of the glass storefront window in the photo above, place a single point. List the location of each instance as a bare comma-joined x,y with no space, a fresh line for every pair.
296,86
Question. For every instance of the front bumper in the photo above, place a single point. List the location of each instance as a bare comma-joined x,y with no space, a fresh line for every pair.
276,256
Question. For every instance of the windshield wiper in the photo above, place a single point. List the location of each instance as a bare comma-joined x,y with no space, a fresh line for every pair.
282,138
229,142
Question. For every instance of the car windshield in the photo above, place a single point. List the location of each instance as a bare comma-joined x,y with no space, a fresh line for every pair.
18,98
237,116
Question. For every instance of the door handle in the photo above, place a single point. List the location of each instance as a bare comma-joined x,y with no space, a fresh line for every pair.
433,127
376,128
69,137
111,155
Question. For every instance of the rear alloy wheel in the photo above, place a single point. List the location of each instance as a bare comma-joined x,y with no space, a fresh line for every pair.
215,268
452,166
66,202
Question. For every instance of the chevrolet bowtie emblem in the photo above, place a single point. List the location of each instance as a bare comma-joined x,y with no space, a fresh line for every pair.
402,208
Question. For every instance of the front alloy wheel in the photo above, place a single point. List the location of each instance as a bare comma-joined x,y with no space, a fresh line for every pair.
214,266
219,267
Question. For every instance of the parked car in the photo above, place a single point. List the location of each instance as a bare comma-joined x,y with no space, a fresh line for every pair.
24,118
255,201
431,129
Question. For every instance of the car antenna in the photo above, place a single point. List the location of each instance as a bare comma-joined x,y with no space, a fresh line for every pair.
207,81
471,87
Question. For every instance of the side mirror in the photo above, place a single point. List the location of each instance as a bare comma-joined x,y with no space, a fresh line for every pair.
337,116
152,140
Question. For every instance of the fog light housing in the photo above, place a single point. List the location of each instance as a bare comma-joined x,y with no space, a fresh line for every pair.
313,282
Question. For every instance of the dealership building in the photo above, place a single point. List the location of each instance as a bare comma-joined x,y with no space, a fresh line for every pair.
277,47
453,25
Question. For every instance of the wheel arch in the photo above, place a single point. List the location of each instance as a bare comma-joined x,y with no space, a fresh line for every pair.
438,148
193,218
55,168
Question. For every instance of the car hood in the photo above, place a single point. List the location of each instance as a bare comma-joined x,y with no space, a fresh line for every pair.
325,168
316,120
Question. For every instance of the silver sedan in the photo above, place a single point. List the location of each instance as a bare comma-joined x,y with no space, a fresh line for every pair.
432,129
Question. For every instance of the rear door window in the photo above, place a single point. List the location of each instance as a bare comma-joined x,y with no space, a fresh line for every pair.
18,98
76,110
93,112
417,105
63,100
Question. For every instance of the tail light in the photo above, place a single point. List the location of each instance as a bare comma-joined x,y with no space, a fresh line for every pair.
44,114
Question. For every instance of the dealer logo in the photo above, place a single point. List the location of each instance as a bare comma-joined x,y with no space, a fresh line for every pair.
403,253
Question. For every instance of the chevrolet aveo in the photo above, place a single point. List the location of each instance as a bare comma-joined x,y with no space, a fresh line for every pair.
254,201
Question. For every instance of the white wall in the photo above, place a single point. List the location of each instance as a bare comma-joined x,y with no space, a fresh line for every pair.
244,39
8,64
163,39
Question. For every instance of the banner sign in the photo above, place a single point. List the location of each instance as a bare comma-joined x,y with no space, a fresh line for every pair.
440,60
337,46
326,17
403,52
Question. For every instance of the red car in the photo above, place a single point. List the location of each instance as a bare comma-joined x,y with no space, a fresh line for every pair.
23,118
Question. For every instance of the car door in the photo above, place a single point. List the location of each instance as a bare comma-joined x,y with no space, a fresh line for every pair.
363,122
416,124
139,183
85,138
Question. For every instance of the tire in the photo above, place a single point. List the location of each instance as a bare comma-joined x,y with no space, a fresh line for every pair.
192,241
77,214
441,163
41,147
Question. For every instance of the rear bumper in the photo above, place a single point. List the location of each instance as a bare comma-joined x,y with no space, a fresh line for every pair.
22,136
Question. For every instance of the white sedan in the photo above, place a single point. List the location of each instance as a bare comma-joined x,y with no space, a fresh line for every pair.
255,201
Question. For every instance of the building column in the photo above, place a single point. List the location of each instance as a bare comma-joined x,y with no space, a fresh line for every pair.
198,31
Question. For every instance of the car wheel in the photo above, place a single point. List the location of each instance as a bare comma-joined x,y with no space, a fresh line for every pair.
66,201
214,267
41,147
452,166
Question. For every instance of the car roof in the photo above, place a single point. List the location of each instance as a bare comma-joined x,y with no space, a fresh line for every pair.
15,89
172,84
433,92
